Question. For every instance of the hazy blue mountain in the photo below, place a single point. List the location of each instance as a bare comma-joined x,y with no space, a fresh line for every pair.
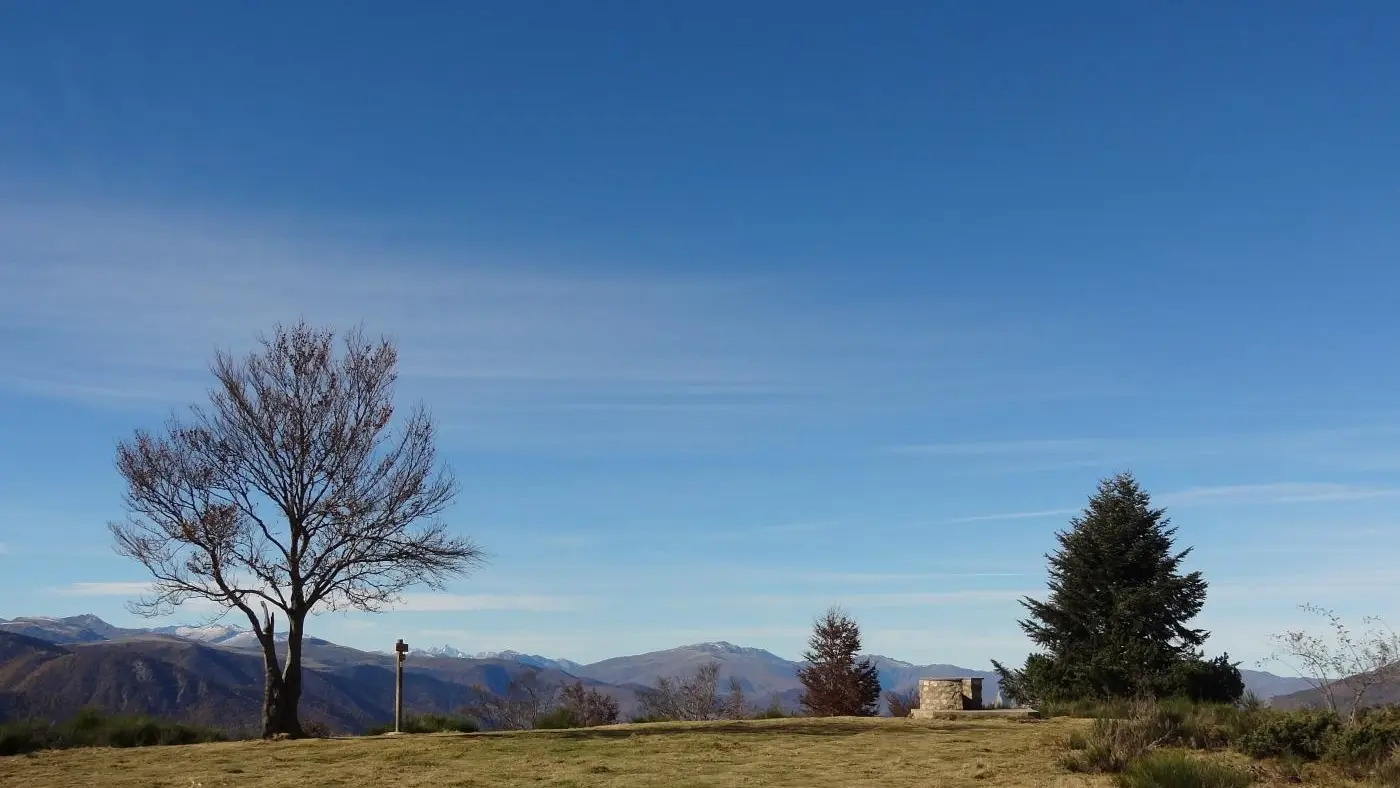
1267,685
73,629
54,666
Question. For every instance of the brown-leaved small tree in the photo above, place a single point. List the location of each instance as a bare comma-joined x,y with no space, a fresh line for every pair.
290,492
901,703
836,684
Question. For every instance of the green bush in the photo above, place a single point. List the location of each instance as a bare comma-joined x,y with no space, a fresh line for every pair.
1209,726
559,719
1118,708
1113,742
429,723
91,728
1388,772
773,712
1365,744
1169,769
1215,680
1302,734
1110,745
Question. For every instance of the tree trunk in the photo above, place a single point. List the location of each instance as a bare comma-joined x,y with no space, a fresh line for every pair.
282,686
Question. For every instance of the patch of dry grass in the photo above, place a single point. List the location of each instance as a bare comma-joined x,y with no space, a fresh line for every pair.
883,753
837,752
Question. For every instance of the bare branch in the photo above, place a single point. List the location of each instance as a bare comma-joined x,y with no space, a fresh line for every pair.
1347,663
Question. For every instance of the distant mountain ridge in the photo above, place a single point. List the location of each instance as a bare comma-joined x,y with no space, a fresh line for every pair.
213,674
534,660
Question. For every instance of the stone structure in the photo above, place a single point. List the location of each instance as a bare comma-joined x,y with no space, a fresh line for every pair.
950,694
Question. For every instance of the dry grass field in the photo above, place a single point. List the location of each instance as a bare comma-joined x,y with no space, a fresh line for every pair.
878,753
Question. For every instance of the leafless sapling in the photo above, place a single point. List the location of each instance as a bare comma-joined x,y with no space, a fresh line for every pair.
526,699
736,706
679,698
1346,663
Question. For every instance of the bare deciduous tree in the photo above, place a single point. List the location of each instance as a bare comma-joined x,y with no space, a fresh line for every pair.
1353,664
736,706
588,707
901,703
527,698
683,699
290,492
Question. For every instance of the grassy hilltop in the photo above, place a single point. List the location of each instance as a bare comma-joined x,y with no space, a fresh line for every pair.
873,753
818,752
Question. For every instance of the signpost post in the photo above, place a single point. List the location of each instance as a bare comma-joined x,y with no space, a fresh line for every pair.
400,653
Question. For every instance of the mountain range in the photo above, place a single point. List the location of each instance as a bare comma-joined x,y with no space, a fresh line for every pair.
212,675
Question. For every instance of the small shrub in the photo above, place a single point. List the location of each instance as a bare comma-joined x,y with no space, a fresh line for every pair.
91,728
1210,726
1365,744
773,712
559,719
1168,769
317,730
1302,734
901,703
17,738
428,723
1110,746
1388,772
1090,709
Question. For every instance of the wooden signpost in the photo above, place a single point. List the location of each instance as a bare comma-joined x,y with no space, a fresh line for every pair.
400,653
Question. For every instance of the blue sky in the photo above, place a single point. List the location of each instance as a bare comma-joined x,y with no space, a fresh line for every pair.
731,313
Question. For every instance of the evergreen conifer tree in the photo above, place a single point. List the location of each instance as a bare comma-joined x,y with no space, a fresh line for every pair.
1116,620
836,684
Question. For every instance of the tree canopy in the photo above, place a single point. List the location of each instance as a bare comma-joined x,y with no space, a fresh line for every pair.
1116,621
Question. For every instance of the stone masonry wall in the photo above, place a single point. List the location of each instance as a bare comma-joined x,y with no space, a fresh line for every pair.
955,694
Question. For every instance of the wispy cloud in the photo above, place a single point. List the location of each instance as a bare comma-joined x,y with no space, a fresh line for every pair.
1293,588
1034,514
760,532
1276,493
1019,448
1222,495
1363,446
866,600
119,588
457,603
886,577
124,306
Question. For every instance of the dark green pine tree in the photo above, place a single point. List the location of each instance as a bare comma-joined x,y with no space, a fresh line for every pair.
1116,621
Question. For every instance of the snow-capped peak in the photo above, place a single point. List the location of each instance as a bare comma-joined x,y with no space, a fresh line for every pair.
213,633
442,651
725,647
